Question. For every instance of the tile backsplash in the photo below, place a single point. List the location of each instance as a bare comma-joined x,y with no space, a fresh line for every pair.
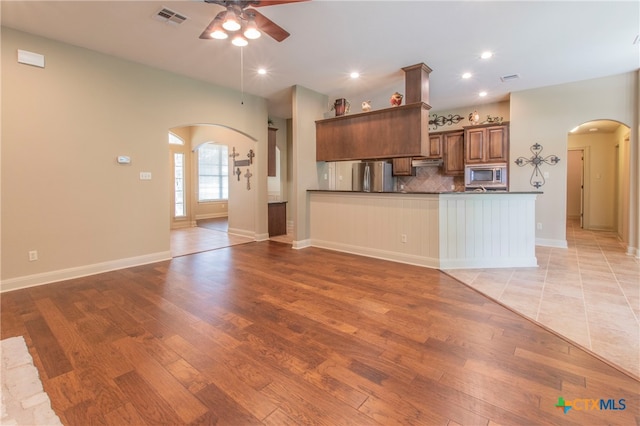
431,179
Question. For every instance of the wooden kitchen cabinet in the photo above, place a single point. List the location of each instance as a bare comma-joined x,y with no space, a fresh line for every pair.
277,217
395,132
487,143
271,152
453,153
402,166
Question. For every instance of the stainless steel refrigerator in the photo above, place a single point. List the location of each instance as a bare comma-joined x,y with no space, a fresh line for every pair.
372,176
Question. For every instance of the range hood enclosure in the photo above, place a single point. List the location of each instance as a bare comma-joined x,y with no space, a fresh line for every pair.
426,162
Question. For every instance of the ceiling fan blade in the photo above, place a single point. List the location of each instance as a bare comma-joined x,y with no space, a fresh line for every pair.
269,27
207,31
274,2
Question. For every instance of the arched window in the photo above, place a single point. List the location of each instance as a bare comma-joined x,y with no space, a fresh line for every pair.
175,140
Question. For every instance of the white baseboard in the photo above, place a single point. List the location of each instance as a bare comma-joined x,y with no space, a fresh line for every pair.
632,251
241,232
211,215
81,271
302,244
378,254
262,237
546,242
498,262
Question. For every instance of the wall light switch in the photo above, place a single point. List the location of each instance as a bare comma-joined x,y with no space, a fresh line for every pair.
546,175
145,175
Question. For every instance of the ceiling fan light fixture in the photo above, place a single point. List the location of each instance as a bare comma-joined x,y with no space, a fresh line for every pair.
231,20
219,34
217,31
251,31
239,41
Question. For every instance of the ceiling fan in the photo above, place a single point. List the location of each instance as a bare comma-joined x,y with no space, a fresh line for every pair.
242,21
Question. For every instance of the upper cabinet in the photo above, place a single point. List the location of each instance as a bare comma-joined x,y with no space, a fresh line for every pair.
401,131
394,132
488,143
271,152
453,153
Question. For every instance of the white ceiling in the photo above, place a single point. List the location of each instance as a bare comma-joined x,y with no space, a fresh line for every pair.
545,42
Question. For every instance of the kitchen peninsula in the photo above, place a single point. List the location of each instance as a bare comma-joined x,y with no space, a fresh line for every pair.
447,230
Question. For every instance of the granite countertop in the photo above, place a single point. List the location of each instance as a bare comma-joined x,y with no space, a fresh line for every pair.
430,193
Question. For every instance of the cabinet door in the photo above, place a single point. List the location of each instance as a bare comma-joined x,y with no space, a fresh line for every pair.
497,148
474,145
271,152
435,146
453,153
402,166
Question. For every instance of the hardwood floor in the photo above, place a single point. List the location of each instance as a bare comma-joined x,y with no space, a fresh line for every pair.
262,334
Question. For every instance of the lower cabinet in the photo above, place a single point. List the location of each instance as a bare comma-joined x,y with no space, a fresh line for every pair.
277,218
453,153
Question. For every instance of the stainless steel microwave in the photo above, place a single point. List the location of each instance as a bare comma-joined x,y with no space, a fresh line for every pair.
487,176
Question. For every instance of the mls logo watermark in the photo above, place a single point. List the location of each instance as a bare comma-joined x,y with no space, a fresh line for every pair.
585,404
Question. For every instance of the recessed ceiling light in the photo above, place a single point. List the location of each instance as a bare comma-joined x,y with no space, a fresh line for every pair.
482,94
262,71
486,55
355,74
466,75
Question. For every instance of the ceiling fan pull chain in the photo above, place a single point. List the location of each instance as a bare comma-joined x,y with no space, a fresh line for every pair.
242,76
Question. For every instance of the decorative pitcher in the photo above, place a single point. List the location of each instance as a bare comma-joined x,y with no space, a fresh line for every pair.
396,99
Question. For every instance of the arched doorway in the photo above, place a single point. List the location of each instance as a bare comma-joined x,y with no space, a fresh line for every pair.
598,176
202,189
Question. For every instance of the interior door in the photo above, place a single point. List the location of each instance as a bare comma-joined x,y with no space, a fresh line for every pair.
575,185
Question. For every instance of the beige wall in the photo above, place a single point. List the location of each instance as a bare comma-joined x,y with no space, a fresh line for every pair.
63,194
495,109
308,106
545,116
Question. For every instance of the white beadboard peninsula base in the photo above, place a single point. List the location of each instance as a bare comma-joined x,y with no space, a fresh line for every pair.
445,231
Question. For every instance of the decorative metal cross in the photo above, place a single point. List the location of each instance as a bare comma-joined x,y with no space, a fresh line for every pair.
536,161
238,173
251,155
248,176
234,155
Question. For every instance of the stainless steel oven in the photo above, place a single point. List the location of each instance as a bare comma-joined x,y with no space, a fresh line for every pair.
487,176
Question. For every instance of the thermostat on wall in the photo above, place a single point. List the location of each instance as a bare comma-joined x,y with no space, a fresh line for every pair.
123,159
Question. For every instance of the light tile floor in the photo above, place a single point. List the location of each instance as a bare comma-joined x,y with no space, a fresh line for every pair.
589,293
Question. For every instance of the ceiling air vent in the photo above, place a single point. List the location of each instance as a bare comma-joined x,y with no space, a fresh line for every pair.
169,16
509,77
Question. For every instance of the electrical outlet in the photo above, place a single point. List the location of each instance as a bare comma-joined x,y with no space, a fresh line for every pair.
145,175
539,226
33,255
403,238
